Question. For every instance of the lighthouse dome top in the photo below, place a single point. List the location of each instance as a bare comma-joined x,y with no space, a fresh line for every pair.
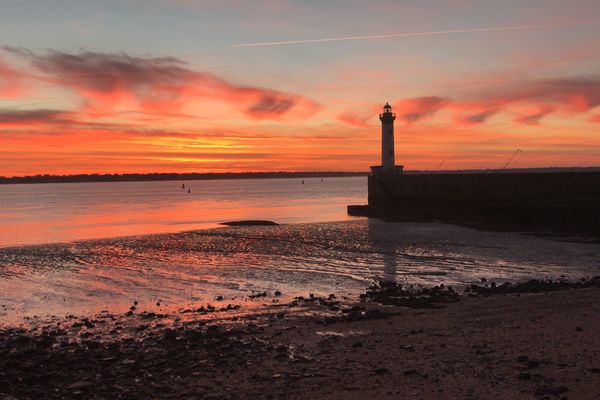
387,115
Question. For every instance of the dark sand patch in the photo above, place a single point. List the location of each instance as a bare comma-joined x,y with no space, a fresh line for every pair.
250,223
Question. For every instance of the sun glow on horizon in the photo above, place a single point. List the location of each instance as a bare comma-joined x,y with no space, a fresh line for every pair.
93,105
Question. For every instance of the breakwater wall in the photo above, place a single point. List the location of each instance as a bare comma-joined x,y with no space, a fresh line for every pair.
561,201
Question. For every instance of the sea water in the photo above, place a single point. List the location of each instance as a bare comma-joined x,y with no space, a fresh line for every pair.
175,254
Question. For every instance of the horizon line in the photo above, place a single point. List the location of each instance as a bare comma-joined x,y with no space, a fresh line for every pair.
3,179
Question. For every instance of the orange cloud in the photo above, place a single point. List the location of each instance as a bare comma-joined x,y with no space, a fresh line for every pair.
532,117
107,81
595,119
574,95
81,148
10,80
355,119
531,101
420,108
140,114
475,114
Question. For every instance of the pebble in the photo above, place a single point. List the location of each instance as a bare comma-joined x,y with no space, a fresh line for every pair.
80,385
524,376
522,358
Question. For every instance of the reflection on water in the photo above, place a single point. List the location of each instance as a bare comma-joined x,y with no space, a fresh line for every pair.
388,248
297,259
53,213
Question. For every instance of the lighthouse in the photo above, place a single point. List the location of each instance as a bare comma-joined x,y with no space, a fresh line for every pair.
388,165
387,139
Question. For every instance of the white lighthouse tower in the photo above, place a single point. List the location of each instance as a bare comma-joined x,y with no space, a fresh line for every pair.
388,165
387,139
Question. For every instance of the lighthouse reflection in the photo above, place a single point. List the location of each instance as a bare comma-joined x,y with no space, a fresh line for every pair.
379,237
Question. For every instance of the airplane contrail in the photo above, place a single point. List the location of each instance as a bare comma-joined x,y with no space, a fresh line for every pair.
410,34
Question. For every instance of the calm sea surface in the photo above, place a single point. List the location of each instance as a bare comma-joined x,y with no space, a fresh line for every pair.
135,247
63,212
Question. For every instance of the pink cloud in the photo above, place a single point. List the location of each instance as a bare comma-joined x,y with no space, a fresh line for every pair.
475,118
420,108
530,100
595,119
10,80
355,119
107,81
576,95
532,117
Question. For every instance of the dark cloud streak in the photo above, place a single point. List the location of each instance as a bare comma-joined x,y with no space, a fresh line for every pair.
417,109
32,116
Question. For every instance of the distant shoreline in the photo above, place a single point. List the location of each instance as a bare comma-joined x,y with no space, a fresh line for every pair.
148,177
81,178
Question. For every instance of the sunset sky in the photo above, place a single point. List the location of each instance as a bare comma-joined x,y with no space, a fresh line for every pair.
212,86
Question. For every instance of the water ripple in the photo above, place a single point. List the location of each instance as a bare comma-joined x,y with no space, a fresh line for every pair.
340,257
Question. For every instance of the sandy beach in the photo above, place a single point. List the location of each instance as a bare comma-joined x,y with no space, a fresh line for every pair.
517,345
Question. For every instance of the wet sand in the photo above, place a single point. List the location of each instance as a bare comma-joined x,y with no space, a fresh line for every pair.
517,346
182,269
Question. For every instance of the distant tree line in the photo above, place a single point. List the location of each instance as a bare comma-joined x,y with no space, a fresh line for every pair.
46,178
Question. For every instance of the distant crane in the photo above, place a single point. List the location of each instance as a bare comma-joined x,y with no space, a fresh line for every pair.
511,158
442,163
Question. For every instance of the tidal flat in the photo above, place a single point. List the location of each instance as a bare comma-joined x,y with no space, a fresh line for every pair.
353,309
171,272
